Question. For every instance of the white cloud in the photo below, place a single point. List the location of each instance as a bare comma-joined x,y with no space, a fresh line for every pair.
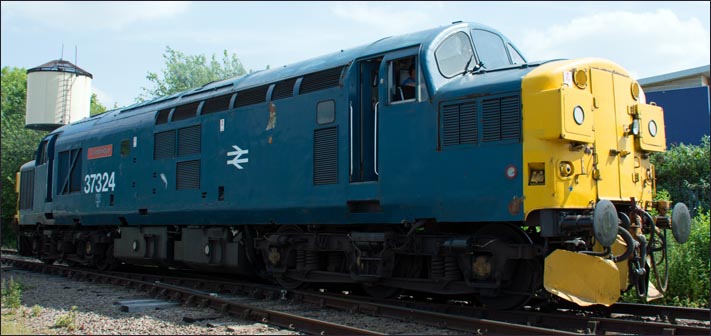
103,98
658,42
93,15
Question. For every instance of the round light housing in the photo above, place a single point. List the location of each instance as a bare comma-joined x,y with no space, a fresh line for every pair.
578,115
580,77
634,90
652,128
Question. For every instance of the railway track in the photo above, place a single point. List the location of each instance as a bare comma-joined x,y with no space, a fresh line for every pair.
596,320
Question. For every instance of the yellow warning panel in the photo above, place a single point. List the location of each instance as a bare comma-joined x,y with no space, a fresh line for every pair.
582,279
618,248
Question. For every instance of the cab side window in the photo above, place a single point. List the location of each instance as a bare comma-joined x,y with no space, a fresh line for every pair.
404,79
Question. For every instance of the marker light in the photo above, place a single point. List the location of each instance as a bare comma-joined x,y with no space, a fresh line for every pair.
652,128
511,172
634,128
578,115
580,77
634,90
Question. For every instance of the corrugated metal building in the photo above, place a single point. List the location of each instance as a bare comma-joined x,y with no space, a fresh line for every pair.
684,95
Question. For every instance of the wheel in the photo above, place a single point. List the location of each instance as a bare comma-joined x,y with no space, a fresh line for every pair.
659,261
521,286
283,280
107,261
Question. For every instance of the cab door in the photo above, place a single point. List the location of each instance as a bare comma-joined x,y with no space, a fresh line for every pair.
613,145
363,117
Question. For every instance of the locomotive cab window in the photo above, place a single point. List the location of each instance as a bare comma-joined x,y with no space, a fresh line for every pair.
404,79
454,55
516,57
41,157
491,49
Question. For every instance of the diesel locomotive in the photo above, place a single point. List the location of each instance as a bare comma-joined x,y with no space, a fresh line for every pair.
491,178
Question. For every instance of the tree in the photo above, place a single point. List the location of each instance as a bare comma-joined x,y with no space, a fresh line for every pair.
183,72
95,107
18,143
684,172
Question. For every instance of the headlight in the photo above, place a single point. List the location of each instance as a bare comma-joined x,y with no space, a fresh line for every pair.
652,128
578,115
634,128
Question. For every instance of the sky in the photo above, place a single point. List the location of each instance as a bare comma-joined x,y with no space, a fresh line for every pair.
120,42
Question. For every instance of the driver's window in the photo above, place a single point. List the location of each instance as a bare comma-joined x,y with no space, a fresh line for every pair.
403,79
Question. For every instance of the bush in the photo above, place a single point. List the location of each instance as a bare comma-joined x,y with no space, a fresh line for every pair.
684,172
67,320
11,294
689,266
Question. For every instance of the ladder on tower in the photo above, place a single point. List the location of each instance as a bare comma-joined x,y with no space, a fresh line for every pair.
66,97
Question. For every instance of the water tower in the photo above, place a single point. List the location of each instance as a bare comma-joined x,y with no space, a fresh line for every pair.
58,93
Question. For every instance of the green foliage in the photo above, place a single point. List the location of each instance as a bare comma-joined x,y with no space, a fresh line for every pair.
67,320
36,311
689,265
18,143
183,72
684,171
11,294
95,107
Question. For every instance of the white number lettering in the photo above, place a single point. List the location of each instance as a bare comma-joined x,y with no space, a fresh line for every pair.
111,181
105,177
99,182
93,179
87,188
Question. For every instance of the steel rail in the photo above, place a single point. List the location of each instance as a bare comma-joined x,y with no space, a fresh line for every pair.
285,320
467,318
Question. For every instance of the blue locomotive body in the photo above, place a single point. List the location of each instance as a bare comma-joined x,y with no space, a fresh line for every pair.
294,168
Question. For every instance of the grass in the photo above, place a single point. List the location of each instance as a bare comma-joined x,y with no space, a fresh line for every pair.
12,325
12,299
67,320
11,294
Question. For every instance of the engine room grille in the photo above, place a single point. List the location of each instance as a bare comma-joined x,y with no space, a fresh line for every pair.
164,145
187,175
252,96
186,111
501,119
27,189
217,104
321,80
326,156
189,140
459,124
283,89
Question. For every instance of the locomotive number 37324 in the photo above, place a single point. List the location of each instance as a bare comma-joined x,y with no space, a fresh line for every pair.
99,182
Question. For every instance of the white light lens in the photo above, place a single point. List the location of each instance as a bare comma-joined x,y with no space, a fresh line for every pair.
653,128
635,127
511,172
578,115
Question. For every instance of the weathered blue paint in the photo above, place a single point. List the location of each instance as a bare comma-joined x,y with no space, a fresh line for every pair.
417,177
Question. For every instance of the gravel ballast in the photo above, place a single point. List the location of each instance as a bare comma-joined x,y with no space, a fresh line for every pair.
98,312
